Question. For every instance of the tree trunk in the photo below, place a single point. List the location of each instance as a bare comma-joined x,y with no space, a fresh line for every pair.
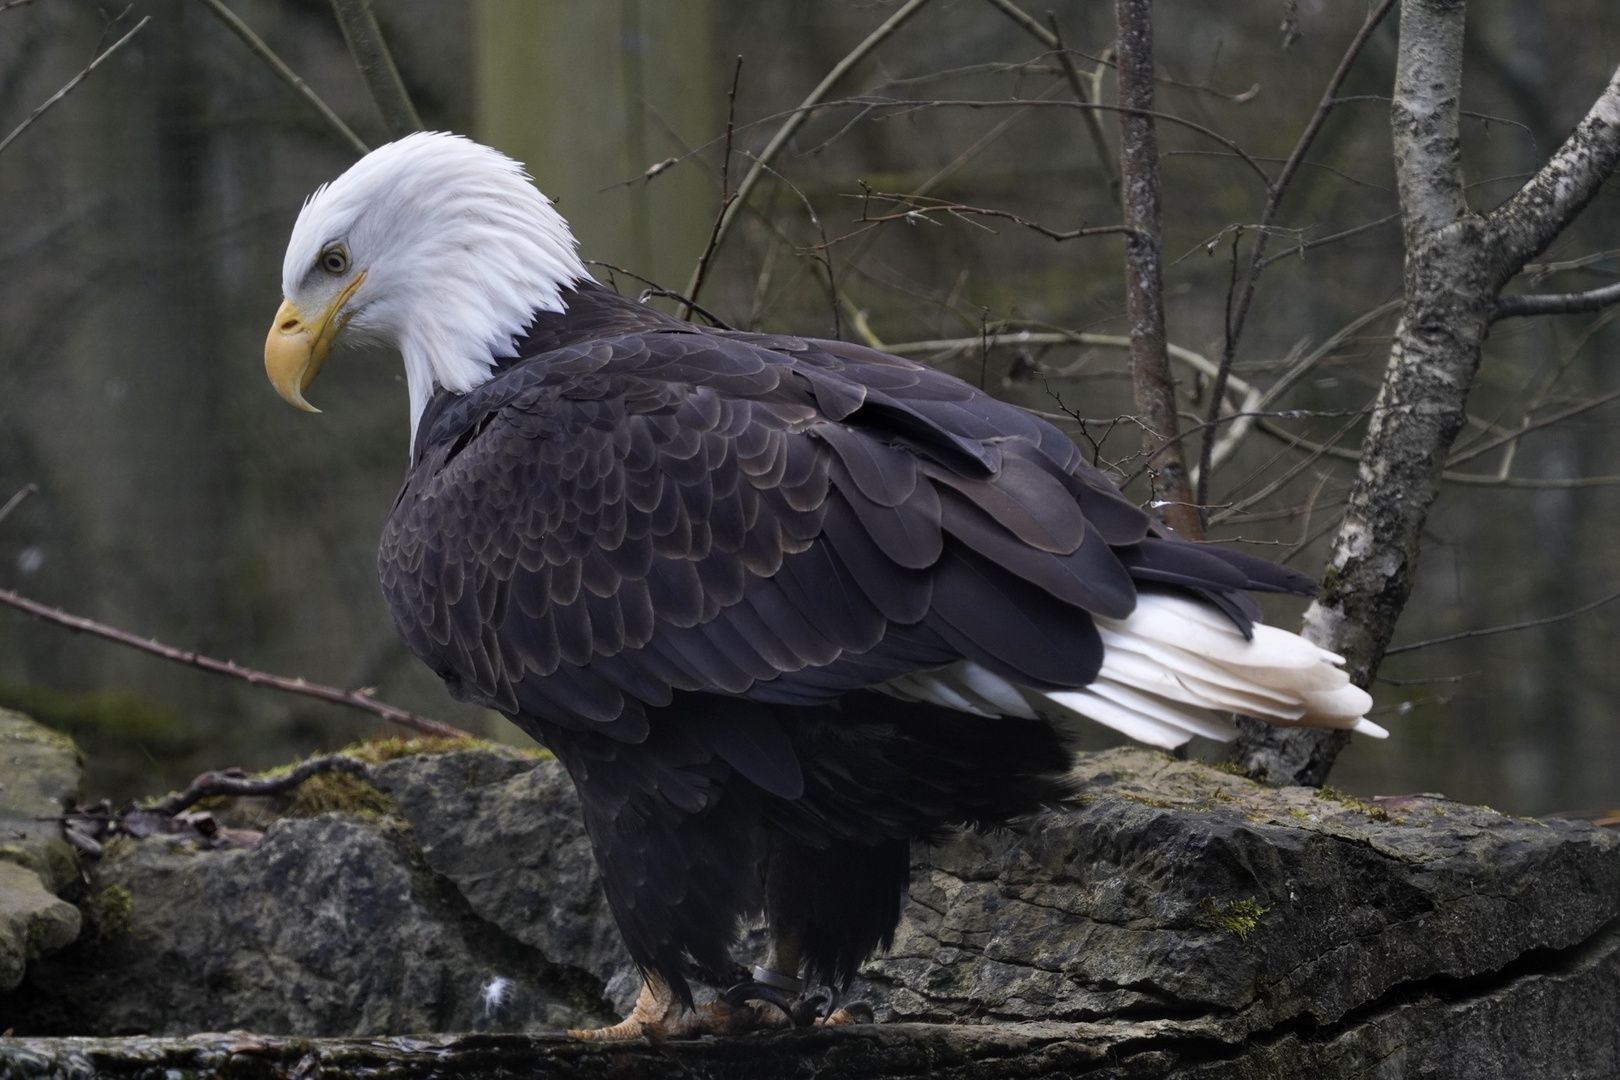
1457,262
1144,274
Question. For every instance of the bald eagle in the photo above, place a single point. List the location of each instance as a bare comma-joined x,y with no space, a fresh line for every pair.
779,605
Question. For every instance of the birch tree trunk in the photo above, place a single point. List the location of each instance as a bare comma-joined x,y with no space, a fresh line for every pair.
1457,262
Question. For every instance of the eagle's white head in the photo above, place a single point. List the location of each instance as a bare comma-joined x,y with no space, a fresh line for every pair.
435,245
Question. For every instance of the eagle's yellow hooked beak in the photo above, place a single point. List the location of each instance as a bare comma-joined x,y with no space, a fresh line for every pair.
297,347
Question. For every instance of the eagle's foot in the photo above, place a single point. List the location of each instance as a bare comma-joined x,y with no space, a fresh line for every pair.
856,1012
820,1008
751,994
816,1007
660,1015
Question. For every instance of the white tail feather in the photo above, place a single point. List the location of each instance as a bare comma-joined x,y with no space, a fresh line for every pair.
1170,670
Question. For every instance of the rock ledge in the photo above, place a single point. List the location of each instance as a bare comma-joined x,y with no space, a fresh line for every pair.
1178,921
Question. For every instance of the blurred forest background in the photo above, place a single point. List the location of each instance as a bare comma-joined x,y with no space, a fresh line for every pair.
143,220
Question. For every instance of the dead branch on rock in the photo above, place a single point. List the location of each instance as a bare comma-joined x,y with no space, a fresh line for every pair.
236,782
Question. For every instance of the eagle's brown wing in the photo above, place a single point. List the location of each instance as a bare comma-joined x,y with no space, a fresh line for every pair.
774,518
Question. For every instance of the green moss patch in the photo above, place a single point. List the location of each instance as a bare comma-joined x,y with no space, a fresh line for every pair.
1239,917
1377,813
110,911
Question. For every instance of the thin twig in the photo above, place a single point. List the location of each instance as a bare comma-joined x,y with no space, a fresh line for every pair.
14,4
690,304
1537,271
1526,625
796,119
1006,338
1450,476
1236,509
234,782
1524,429
955,209
1052,41
1557,303
727,196
1310,245
655,289
71,83
12,503
376,66
1239,313
1093,122
1530,483
1229,443
286,74
354,699
1124,110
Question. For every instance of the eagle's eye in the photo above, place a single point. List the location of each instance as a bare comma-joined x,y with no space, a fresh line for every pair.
334,260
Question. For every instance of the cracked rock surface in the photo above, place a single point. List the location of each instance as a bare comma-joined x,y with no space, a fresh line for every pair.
1182,893
1177,921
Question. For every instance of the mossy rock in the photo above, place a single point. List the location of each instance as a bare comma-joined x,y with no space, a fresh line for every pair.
40,776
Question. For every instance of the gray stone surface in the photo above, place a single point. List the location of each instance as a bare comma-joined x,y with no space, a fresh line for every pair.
33,922
1552,1020
327,926
505,831
1178,921
39,778
1136,903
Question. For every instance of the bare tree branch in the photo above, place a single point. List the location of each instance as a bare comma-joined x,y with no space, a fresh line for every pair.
794,121
1123,109
1557,303
1449,476
354,699
917,207
1311,245
1526,625
16,500
71,83
1051,36
1154,386
284,73
376,66
1239,431
1238,311
1099,143
1523,226
727,196
1456,265
1522,430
